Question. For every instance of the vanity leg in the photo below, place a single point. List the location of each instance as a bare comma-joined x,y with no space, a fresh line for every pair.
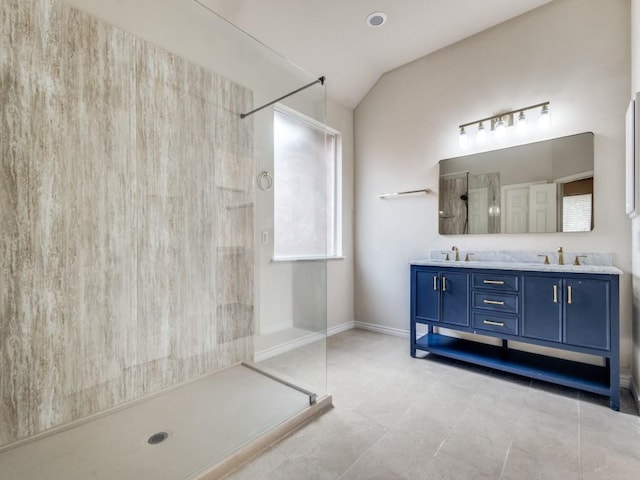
412,338
614,382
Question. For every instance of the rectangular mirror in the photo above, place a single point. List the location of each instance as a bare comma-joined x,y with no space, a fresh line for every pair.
535,188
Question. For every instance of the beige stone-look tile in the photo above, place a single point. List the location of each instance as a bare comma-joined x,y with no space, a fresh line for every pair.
336,445
259,467
549,438
601,458
444,467
466,376
444,400
408,447
390,402
289,471
495,405
521,466
369,467
486,453
553,399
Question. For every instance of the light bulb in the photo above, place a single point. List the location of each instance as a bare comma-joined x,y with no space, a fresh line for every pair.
463,141
521,124
481,136
545,117
499,128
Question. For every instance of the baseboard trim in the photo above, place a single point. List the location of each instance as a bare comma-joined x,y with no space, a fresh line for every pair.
371,327
302,341
343,327
288,346
625,381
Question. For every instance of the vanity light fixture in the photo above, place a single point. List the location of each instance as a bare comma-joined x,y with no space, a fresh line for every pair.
499,128
521,123
545,117
463,139
481,136
501,121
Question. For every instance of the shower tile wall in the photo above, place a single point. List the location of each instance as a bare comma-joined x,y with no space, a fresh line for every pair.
126,206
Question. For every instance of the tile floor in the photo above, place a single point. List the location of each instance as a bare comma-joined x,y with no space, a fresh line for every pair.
398,418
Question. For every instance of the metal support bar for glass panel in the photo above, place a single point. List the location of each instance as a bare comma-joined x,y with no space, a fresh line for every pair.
319,80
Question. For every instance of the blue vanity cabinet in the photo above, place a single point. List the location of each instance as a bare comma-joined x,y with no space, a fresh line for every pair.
587,313
440,296
425,292
542,308
571,311
574,311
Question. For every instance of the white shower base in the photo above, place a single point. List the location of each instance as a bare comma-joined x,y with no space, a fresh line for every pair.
207,419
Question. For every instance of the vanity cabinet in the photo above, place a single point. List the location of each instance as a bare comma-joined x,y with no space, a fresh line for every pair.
441,296
563,310
573,311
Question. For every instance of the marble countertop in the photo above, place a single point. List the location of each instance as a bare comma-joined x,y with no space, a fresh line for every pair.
532,267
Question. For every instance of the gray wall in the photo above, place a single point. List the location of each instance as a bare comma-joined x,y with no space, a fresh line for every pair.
409,121
125,265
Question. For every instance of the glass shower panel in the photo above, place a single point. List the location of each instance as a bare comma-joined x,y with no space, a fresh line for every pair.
141,248
292,226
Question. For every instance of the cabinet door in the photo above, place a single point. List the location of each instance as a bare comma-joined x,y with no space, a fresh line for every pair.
426,295
455,298
587,313
542,308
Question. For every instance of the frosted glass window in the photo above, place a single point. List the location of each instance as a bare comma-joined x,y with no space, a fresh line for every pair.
576,213
306,160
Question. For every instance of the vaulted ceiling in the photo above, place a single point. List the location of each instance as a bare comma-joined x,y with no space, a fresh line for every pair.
332,37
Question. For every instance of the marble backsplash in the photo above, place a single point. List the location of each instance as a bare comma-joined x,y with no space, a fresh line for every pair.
526,256
126,205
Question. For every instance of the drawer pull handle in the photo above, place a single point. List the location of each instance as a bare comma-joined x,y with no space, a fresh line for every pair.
494,282
495,324
569,294
435,282
493,302
444,284
555,294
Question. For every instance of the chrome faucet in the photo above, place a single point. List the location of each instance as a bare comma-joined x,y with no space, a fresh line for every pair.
560,256
455,249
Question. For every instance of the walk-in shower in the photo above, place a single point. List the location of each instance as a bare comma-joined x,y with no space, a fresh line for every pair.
147,330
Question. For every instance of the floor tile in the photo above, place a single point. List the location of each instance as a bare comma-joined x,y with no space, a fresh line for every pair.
368,467
337,445
403,418
444,467
520,466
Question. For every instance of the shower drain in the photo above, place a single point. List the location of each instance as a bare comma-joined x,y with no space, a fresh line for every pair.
157,438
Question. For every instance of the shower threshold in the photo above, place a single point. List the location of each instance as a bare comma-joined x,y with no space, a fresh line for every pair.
200,430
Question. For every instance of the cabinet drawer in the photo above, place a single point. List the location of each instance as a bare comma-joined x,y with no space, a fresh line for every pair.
496,302
492,281
495,323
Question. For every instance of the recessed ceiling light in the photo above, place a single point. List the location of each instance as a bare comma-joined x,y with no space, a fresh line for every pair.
376,19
